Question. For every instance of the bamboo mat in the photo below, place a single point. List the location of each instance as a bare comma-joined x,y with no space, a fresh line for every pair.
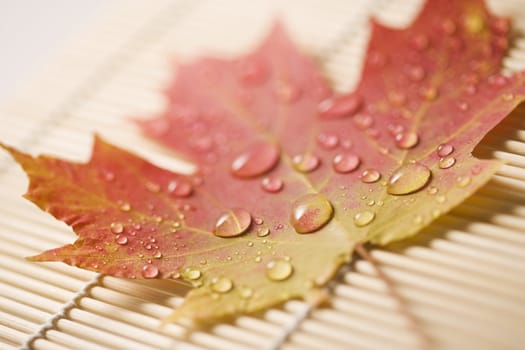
463,278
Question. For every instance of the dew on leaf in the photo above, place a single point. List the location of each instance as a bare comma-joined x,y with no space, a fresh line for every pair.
340,107
272,184
364,218
370,176
157,255
279,269
179,188
121,239
116,227
263,231
407,140
153,187
363,121
446,162
258,220
463,106
191,273
463,181
150,271
310,213
256,161
327,141
444,150
346,162
221,284
306,162
408,178
432,190
232,223
124,206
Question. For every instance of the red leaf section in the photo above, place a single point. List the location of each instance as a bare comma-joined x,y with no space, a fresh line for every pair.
289,176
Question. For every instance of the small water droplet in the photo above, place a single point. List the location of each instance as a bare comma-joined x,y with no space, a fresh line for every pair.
279,270
408,178
407,140
108,176
429,93
370,176
191,274
340,107
263,231
179,188
221,284
272,184
249,244
418,219
436,213
124,206
364,218
232,223
420,42
346,162
463,181
245,292
150,271
497,80
447,162
121,239
153,187
305,163
380,203
471,89
444,150
476,169
371,203
258,220
507,97
463,106
441,199
258,259
448,26
157,255
116,227
203,262
328,141
432,190
416,73
310,213
363,121
286,91
256,161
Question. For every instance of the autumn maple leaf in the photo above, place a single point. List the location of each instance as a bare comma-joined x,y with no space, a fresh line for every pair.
290,177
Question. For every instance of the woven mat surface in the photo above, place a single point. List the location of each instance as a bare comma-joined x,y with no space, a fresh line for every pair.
463,278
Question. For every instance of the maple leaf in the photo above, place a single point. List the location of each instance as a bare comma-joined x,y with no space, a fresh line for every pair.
290,177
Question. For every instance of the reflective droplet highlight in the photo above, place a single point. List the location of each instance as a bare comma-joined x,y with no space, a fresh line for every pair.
232,223
327,141
463,181
263,231
272,184
191,273
245,292
150,271
279,270
116,227
447,162
408,178
407,140
310,213
364,218
256,161
444,150
346,162
179,188
370,176
305,163
221,284
340,107
122,240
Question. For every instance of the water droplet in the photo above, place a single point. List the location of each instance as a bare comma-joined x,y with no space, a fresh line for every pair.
191,274
476,169
287,92
327,141
407,140
371,203
444,150
272,184
279,270
432,190
180,188
420,42
108,176
157,255
258,221
448,26
122,240
263,231
125,206
150,271
441,199
305,163
418,219
249,244
436,213
463,181
471,89
258,160
370,176
153,187
258,259
507,97
346,162
416,73
116,227
447,162
463,106
408,178
364,218
429,93
221,284
203,262
497,80
340,107
363,121
245,292
310,213
232,223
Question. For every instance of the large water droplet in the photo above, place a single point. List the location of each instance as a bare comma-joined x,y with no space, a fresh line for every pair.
444,150
310,213
305,163
232,223
408,178
406,140
279,269
370,176
327,141
258,160
121,239
180,188
341,107
272,184
116,227
447,162
150,271
346,162
364,218
221,284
